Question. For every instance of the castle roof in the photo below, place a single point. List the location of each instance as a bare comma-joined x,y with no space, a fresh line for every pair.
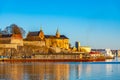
10,36
36,33
52,36
6,35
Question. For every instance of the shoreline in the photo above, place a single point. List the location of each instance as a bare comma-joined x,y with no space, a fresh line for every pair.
51,60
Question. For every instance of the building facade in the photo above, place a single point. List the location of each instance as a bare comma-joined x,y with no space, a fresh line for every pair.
86,49
57,40
11,40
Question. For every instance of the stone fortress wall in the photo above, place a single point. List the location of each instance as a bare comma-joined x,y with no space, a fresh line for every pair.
34,43
8,46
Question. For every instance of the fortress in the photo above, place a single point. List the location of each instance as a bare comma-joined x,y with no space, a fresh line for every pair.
37,44
37,38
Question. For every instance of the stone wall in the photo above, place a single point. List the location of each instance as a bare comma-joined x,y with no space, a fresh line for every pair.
1,51
34,43
8,46
58,56
5,40
19,42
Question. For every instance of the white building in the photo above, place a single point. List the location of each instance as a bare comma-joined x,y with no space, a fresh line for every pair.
109,53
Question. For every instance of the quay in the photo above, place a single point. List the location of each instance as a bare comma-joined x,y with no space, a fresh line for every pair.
51,60
68,57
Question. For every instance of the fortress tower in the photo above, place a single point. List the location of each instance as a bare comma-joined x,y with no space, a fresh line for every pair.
57,34
41,34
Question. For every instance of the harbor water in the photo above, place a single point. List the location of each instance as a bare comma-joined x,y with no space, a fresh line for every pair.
109,70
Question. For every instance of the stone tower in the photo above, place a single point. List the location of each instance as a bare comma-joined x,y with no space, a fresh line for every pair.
57,34
41,34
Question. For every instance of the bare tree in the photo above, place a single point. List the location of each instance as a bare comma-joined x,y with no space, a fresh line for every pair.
14,29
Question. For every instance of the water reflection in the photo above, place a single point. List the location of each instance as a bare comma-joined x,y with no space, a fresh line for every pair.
109,69
34,71
58,71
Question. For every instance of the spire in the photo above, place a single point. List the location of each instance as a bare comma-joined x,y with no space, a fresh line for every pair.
57,33
41,33
40,28
57,29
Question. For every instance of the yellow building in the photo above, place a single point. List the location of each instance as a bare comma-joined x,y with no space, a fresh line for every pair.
57,40
85,49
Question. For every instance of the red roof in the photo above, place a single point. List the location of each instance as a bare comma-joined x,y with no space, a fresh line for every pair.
95,52
17,36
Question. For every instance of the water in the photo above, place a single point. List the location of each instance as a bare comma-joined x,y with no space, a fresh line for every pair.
109,70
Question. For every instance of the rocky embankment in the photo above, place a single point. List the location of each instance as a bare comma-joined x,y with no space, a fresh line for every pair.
27,51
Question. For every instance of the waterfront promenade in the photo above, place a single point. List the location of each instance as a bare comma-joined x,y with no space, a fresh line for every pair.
68,57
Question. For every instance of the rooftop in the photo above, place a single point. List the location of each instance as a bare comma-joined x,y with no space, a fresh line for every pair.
36,33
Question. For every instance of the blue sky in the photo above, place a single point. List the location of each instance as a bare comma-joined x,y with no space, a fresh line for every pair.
94,23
